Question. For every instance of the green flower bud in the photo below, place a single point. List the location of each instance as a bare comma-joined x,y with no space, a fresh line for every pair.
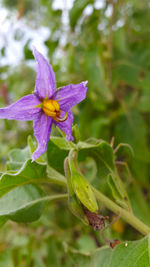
81,187
74,204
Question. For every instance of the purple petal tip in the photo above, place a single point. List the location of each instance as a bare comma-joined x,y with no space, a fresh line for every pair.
85,83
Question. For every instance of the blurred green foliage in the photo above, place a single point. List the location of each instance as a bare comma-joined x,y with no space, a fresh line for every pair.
108,45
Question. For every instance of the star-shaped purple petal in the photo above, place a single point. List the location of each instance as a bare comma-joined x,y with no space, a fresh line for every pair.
70,95
30,107
45,84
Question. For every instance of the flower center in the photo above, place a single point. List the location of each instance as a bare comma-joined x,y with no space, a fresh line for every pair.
52,109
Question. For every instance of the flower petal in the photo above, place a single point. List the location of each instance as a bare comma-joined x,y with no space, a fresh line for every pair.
24,109
71,95
45,84
66,126
42,126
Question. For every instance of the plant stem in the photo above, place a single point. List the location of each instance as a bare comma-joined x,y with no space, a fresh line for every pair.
126,215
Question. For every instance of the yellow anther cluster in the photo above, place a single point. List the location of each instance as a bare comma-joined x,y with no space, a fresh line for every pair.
51,108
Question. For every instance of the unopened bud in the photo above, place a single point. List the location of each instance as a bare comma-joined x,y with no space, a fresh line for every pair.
74,204
81,187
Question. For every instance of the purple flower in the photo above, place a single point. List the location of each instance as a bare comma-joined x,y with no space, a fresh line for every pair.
47,105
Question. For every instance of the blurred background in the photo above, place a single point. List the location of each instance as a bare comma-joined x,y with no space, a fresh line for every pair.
106,42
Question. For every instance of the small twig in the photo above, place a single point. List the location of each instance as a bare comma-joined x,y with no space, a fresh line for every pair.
108,241
112,141
125,214
122,145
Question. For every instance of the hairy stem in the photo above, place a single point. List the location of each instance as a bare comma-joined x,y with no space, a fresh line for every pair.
126,215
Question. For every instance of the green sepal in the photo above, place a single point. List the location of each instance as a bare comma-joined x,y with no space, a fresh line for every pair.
76,208
81,187
74,204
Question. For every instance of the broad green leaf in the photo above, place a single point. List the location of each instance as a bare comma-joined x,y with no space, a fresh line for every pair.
31,172
115,191
103,154
13,166
55,176
130,253
134,254
57,151
61,142
20,204
17,157
25,204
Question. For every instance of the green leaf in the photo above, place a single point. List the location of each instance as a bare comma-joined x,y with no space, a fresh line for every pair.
135,254
102,153
17,157
31,172
131,254
24,204
61,142
18,205
55,176
57,151
115,191
104,157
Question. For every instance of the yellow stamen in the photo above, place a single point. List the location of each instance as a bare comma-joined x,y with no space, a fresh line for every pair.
61,119
52,109
56,105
